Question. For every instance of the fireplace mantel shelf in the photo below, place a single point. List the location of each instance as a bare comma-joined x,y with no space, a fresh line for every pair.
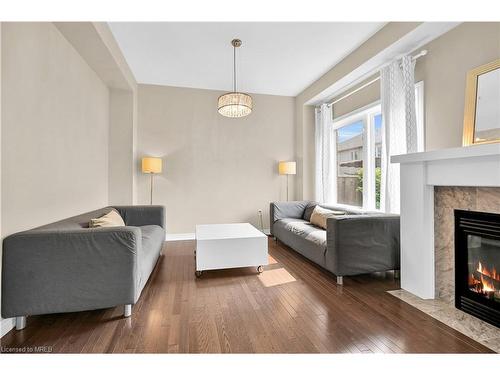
492,149
474,166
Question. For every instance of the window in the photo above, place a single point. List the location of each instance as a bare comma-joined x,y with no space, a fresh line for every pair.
359,138
359,148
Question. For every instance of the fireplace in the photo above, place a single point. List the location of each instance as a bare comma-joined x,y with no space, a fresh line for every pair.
477,264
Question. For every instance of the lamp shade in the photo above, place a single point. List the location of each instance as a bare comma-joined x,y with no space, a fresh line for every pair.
287,167
151,165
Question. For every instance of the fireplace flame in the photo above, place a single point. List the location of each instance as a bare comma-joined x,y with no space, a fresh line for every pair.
492,274
483,281
487,285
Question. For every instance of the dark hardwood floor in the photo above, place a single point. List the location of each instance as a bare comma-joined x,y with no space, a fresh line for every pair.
293,307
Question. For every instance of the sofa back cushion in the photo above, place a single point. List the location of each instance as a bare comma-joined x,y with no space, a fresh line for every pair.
76,222
320,215
284,210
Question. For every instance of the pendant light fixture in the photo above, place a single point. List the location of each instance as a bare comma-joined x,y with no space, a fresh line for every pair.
234,104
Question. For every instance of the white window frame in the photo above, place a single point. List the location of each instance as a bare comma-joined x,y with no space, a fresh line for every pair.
420,115
367,114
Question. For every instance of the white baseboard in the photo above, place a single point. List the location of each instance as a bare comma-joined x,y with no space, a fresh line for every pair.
179,236
191,236
6,325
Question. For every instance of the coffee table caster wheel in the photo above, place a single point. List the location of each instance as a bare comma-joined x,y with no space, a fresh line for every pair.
260,269
197,273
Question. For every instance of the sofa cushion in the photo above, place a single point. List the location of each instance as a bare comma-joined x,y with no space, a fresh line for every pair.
303,237
305,229
349,210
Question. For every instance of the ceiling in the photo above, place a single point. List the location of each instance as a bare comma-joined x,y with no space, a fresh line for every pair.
275,58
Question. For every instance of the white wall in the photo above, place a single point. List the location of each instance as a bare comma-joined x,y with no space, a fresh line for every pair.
54,129
444,70
121,152
304,114
54,141
216,170
5,324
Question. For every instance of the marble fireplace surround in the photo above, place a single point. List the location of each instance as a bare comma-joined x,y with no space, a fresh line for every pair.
433,184
462,177
446,199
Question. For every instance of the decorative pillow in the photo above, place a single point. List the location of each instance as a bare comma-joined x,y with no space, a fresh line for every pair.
309,210
111,219
320,215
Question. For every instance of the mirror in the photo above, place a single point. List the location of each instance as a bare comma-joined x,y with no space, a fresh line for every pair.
482,105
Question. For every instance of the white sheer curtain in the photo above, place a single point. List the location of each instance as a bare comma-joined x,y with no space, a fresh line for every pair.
397,85
326,186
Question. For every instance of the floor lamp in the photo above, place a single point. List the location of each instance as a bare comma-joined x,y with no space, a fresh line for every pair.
151,166
287,168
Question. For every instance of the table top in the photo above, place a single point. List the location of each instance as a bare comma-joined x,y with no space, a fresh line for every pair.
227,231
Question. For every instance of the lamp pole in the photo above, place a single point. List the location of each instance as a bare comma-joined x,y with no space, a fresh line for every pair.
151,194
287,187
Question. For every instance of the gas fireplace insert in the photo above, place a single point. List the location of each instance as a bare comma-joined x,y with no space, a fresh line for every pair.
477,264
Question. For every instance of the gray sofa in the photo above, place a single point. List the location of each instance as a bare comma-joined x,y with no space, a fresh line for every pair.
67,266
355,243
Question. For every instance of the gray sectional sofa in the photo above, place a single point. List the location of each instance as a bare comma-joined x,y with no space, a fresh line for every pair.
67,266
355,243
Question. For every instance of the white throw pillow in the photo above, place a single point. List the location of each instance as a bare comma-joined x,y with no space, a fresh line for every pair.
111,219
320,215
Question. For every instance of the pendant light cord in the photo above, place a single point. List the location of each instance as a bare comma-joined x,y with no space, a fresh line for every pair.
234,68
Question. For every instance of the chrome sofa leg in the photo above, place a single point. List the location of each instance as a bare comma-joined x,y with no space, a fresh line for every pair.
20,322
127,310
340,280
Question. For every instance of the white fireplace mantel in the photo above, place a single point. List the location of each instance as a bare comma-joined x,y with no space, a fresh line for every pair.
477,165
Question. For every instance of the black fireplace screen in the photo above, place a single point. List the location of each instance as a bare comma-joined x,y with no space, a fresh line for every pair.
477,264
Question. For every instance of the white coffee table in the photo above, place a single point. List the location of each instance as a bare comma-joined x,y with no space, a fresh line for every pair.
220,246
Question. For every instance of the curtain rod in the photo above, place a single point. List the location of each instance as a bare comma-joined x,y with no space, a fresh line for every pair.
420,54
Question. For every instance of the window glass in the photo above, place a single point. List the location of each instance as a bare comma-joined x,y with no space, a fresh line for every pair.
350,145
377,120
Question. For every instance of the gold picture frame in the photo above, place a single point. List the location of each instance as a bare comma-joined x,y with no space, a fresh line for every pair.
470,104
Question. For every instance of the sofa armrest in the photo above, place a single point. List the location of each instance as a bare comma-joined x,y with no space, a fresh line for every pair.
142,215
363,243
284,210
51,271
